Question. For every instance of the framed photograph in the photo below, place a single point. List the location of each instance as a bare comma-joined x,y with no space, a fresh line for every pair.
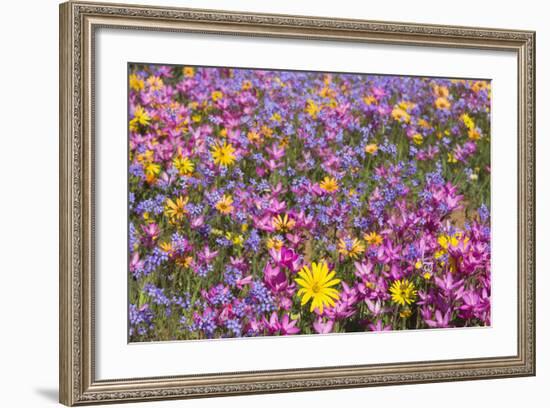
258,203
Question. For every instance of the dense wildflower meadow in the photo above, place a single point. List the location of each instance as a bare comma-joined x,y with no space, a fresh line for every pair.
280,202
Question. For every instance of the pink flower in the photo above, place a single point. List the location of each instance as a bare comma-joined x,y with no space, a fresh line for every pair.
440,319
448,285
293,239
260,171
285,257
264,223
285,303
276,206
363,270
197,222
238,262
275,279
379,326
206,255
241,283
375,307
323,327
275,152
135,263
387,253
152,232
344,307
272,164
283,327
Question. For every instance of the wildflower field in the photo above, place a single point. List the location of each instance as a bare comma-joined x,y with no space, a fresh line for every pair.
282,202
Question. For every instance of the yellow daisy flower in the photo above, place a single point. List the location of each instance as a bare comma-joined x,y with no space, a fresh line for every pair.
480,85
329,184
370,99
141,117
217,95
284,223
183,165
371,148
152,169
225,204
400,115
312,108
442,103
188,72
441,91
351,248
372,238
176,209
474,134
136,83
223,154
316,284
417,139
275,243
155,83
468,121
403,292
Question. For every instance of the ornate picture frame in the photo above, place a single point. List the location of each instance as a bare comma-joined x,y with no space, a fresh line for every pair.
78,24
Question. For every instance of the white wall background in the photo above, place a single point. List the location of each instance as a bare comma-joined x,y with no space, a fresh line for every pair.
29,191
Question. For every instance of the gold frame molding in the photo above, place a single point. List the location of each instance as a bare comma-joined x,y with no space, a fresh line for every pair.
78,22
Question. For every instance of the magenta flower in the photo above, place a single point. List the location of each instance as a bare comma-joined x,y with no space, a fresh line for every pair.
344,307
323,327
241,283
284,326
476,305
441,320
448,285
363,270
275,152
206,255
286,258
379,326
135,263
387,253
151,230
275,279
276,206
197,222
376,307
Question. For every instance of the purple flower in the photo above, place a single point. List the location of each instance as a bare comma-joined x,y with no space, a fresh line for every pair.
285,257
323,327
136,265
206,255
379,326
275,279
448,285
375,307
284,326
441,320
